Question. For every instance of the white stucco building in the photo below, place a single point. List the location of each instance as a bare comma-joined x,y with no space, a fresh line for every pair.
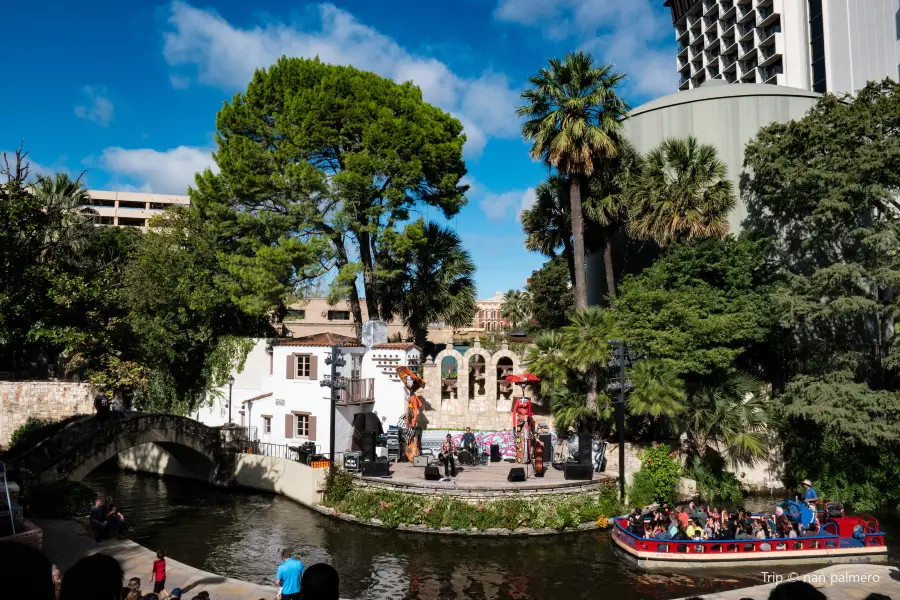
817,45
279,396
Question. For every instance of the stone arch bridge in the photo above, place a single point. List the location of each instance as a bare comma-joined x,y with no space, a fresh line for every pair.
83,445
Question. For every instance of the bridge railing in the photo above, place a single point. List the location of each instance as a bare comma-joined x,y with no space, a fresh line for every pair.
294,453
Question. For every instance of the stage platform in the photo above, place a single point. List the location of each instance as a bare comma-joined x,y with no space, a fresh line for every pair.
484,481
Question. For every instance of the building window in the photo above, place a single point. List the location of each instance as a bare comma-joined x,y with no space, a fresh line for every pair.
302,425
267,424
294,315
338,315
303,363
817,46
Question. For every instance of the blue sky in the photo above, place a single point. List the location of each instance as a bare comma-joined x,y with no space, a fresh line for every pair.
129,90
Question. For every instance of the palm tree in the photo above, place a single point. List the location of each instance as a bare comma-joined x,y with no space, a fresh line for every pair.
606,204
658,391
568,409
682,192
70,221
731,417
436,281
516,307
573,121
548,223
547,358
585,340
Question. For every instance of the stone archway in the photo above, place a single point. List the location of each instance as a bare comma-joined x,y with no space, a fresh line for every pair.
478,379
503,362
449,393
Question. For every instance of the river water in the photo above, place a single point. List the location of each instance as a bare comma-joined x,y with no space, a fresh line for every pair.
239,533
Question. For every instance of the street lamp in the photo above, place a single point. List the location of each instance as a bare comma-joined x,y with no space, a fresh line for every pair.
621,383
230,385
335,360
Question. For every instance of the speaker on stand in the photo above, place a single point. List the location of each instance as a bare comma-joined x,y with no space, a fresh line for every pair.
584,449
495,453
547,443
598,449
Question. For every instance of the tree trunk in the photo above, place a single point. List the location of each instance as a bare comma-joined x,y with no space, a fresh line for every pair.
420,337
608,267
368,262
570,258
592,380
578,242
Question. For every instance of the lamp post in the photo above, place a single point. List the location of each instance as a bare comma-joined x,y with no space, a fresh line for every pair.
335,359
621,383
230,385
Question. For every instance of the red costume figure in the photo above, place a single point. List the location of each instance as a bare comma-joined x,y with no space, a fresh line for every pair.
412,383
523,425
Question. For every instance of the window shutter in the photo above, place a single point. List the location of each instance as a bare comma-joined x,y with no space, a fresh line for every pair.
288,426
291,366
312,428
313,366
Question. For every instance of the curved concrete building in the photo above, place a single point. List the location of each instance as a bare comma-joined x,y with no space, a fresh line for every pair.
726,116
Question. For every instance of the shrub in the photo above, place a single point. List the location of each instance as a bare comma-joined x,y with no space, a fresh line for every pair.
664,469
62,499
338,484
642,491
34,431
714,482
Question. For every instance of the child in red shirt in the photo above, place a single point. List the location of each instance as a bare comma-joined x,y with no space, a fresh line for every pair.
159,572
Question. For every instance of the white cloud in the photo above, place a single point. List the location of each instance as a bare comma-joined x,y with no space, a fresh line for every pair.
497,207
166,172
626,34
203,44
98,107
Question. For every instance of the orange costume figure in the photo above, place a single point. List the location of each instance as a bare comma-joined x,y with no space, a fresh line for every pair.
412,383
523,425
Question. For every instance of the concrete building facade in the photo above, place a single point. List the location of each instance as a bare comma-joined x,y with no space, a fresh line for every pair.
130,209
817,45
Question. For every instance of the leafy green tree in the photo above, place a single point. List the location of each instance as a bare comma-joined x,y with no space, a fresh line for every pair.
573,121
188,332
586,344
657,392
821,192
681,191
315,154
606,205
550,291
516,307
434,281
548,223
701,308
547,359
730,417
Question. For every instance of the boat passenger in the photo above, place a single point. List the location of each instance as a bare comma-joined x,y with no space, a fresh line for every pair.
693,529
744,533
809,493
636,522
681,534
758,531
769,523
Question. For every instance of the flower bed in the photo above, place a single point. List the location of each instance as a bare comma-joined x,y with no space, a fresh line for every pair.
427,513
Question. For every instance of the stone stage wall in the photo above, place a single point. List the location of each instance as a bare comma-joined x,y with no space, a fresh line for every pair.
478,397
54,400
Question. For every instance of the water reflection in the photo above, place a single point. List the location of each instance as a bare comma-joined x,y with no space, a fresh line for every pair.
240,533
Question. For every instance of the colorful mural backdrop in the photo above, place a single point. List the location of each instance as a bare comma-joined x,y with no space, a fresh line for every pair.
432,438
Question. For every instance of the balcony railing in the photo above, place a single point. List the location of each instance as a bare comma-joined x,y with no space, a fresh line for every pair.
356,390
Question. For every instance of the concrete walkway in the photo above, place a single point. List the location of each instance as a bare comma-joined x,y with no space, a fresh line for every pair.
67,541
837,582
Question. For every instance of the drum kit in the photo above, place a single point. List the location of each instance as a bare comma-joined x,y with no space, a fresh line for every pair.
472,456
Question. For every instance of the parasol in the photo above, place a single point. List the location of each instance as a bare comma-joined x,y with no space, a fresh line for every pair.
523,379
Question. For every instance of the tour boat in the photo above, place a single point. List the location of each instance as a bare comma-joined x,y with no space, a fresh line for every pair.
841,539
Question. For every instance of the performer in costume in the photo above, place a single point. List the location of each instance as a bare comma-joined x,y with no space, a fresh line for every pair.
523,425
412,383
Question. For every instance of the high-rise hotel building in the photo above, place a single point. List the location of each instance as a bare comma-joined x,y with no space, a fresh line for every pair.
817,45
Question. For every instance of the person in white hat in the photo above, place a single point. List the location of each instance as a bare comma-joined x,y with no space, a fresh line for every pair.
809,495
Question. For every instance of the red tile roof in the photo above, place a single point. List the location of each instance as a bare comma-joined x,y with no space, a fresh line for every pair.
321,339
255,398
396,346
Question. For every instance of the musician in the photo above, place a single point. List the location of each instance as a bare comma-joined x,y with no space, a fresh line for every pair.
468,440
447,457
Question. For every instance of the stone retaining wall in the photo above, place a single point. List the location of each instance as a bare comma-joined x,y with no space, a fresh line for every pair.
32,536
54,400
475,496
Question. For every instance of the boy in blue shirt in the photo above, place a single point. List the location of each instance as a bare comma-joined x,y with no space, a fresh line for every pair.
289,575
